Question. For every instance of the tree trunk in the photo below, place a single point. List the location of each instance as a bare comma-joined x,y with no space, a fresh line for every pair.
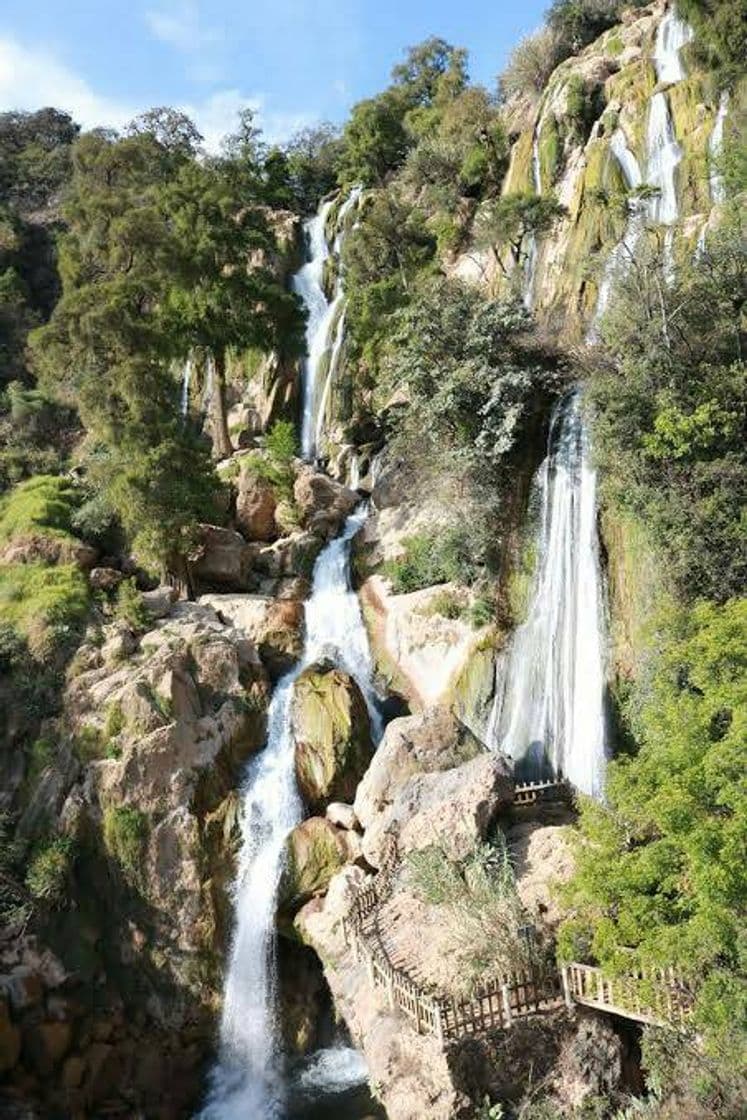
222,447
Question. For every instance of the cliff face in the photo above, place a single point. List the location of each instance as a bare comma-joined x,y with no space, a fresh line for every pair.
564,147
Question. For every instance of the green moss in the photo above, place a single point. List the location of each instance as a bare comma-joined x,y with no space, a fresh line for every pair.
471,690
549,150
42,602
613,44
633,86
40,505
519,177
125,834
313,856
693,124
48,874
333,740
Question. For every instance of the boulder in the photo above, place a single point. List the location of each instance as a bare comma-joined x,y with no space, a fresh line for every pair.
274,626
332,735
222,557
159,602
315,851
322,503
429,741
105,579
342,816
48,549
255,505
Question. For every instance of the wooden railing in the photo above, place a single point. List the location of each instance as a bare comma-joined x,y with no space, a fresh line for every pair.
656,996
528,793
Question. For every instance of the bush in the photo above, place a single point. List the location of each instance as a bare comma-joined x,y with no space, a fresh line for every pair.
125,834
281,442
579,22
48,875
130,607
41,505
45,604
428,560
530,65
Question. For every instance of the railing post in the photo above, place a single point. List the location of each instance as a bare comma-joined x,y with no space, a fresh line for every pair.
438,1022
390,990
600,987
566,987
506,1004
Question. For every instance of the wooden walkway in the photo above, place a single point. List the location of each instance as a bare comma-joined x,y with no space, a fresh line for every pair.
657,997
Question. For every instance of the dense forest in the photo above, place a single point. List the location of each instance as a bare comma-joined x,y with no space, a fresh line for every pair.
133,261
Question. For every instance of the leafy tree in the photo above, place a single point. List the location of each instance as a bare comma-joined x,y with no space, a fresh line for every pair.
578,22
720,33
312,157
511,219
660,877
172,130
374,139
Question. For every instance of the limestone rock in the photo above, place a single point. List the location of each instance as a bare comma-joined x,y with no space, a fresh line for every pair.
255,505
158,602
315,851
274,626
322,503
222,557
332,735
105,579
342,816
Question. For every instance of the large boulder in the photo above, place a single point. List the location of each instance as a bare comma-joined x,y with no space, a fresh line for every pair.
222,557
322,503
255,505
332,733
315,852
430,782
274,626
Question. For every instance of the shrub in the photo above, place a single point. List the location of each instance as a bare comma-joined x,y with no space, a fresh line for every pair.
281,442
40,505
530,65
428,560
125,833
130,607
48,874
578,22
44,604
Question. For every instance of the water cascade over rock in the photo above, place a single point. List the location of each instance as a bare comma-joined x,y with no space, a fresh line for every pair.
549,709
187,373
623,252
249,1081
672,35
715,147
309,284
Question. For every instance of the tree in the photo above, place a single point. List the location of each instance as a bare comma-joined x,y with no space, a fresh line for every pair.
223,293
374,139
661,877
170,128
512,219
312,157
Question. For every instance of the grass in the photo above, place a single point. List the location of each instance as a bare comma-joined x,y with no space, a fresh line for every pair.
43,603
482,912
48,873
428,560
130,607
41,505
125,833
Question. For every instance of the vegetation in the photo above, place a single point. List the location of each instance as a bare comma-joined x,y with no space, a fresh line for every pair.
125,834
48,875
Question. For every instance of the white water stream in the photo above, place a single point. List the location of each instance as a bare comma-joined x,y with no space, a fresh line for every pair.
187,374
549,709
249,1080
308,283
715,148
672,35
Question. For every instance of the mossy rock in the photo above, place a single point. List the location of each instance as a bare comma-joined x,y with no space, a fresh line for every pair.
472,689
549,144
314,853
693,124
519,177
332,734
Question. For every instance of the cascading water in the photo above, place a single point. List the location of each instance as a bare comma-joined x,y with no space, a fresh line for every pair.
664,154
549,713
672,35
715,147
248,1081
624,251
308,283
334,361
187,374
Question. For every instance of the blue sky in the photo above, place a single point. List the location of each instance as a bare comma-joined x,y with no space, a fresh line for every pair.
294,61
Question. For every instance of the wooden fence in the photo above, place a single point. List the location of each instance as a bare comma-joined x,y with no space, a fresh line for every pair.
528,793
656,996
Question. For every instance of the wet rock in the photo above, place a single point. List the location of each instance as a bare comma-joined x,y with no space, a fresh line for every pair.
45,1045
322,503
332,735
315,851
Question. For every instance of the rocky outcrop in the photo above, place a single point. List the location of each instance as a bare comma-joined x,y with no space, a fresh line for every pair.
255,504
315,851
222,557
274,626
332,735
323,504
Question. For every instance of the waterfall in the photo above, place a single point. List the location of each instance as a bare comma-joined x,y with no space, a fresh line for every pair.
715,147
549,713
187,373
624,251
334,362
308,283
248,1081
672,35
664,154
207,394
533,247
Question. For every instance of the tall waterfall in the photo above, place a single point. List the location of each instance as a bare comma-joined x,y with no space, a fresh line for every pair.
248,1081
549,709
664,154
309,284
187,373
715,147
623,252
672,35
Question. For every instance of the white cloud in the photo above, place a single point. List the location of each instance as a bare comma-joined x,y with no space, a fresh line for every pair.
32,78
180,25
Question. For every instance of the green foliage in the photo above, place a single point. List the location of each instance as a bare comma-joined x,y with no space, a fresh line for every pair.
676,1068
312,157
670,411
48,875
427,560
34,431
511,219
660,874
483,915
125,835
43,505
282,443
720,33
45,604
578,22
130,607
